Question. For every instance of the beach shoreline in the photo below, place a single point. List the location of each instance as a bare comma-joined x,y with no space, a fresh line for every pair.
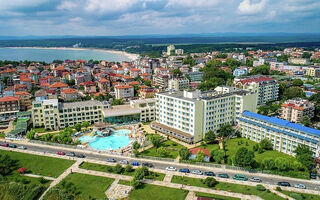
130,56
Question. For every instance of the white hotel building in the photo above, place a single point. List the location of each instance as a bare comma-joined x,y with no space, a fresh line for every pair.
188,115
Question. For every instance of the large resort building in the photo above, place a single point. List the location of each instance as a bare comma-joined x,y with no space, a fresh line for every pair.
188,115
284,135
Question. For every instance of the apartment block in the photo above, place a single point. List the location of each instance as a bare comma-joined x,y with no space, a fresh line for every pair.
161,80
266,87
313,71
284,135
124,91
178,84
9,106
294,109
188,115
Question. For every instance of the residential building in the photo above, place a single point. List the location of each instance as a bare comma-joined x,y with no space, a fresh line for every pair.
179,52
266,87
104,85
69,94
124,91
240,71
161,80
295,109
299,61
313,71
178,84
24,100
9,106
194,152
170,49
188,115
194,76
284,135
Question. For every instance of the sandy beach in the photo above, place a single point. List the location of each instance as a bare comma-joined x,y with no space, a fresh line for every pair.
128,55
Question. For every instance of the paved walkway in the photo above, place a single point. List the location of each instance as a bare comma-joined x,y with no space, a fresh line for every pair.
62,176
118,191
39,176
191,196
168,177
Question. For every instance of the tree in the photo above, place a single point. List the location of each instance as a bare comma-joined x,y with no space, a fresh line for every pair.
297,82
225,130
210,137
128,168
162,152
177,72
155,140
77,126
117,102
141,172
218,155
261,70
244,157
266,144
184,153
269,164
7,165
294,92
210,182
306,55
304,156
282,164
189,61
118,169
200,156
305,120
136,145
85,124
31,135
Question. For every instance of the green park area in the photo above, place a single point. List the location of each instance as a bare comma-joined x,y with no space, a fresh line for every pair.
215,196
80,186
166,149
301,196
40,165
128,170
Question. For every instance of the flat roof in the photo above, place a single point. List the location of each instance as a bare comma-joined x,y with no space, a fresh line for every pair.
121,110
283,123
80,104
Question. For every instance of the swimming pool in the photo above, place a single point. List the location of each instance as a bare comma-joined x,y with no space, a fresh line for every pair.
116,140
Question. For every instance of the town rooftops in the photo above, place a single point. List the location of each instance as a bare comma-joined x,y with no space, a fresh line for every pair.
123,86
282,123
58,85
194,151
8,98
256,79
69,91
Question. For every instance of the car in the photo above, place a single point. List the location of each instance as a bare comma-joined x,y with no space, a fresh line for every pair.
71,154
313,176
4,144
197,172
147,164
135,163
185,170
12,146
111,160
300,185
80,156
171,168
22,147
255,179
124,162
240,177
61,153
209,174
223,175
284,184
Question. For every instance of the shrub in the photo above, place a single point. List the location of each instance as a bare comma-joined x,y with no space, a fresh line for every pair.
128,168
109,169
260,187
43,181
25,181
278,189
210,182
135,183
118,169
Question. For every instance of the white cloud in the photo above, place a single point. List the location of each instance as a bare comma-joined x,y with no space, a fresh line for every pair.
191,3
102,6
11,4
67,5
246,7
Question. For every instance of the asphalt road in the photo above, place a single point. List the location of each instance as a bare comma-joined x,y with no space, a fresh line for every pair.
163,164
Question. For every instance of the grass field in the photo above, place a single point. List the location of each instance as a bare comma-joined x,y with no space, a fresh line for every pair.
123,182
172,148
40,165
89,186
110,169
303,195
152,192
215,196
243,189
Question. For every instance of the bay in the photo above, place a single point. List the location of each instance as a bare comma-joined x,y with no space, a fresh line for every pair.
49,54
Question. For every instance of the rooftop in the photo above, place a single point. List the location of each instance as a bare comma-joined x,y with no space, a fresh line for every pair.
80,104
120,111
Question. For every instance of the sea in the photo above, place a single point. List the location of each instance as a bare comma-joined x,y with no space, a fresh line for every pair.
49,54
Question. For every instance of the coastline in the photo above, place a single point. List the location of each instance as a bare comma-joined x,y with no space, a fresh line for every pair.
130,56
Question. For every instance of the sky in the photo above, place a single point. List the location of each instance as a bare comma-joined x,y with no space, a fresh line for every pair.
141,17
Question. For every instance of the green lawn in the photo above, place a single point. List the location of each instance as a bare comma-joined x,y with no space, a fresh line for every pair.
303,195
110,169
123,182
87,186
172,148
215,196
249,190
40,165
148,192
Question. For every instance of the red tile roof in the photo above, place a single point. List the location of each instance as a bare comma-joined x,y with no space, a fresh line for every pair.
69,91
58,85
9,98
194,151
256,80
21,93
123,86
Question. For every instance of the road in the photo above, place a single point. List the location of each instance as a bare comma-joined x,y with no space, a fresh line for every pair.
266,179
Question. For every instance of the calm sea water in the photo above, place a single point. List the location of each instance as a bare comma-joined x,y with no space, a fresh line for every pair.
48,55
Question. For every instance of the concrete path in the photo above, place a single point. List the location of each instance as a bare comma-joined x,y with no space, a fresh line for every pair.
39,176
191,196
281,194
168,177
118,191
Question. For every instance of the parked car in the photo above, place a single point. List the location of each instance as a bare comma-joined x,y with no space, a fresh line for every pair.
12,146
197,172
209,174
80,156
284,184
71,154
255,179
4,144
300,185
185,170
147,164
240,177
61,153
135,163
123,162
223,175
313,176
22,147
111,160
171,168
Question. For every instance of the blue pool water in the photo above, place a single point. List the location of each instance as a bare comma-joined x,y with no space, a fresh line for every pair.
117,140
